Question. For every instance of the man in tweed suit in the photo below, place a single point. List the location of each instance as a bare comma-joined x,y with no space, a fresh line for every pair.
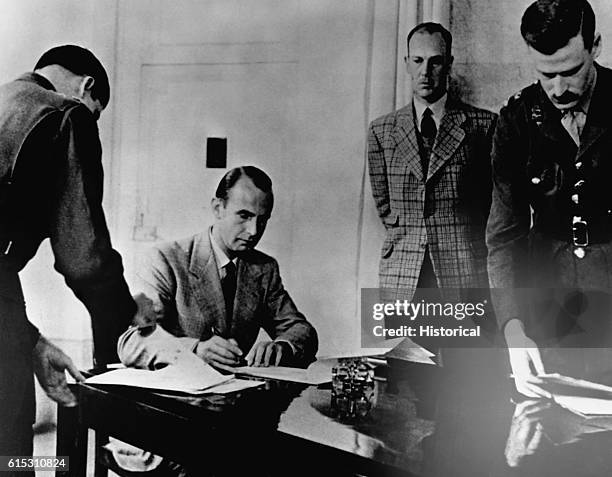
215,291
429,165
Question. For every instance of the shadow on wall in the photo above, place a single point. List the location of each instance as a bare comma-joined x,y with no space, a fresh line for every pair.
488,85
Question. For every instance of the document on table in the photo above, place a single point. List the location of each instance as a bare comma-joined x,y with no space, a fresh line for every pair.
577,395
195,377
317,373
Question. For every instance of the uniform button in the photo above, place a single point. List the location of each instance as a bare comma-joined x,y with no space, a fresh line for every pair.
535,180
578,165
579,252
575,198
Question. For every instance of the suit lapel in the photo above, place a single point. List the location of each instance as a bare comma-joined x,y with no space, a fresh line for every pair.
449,137
206,287
407,144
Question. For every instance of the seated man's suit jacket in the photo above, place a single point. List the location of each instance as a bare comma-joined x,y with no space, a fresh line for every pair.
182,279
445,212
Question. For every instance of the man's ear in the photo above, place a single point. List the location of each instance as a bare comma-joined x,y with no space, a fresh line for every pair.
596,50
218,206
86,84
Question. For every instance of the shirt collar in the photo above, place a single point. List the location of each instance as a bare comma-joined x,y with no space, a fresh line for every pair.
40,80
585,101
438,109
220,257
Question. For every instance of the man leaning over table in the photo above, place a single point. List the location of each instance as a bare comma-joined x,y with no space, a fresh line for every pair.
551,215
214,291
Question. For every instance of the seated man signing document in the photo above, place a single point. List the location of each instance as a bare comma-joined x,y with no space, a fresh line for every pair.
214,291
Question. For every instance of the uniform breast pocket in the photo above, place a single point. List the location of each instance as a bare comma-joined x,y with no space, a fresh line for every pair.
545,178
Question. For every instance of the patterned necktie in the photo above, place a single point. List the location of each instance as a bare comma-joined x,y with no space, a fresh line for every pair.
228,284
573,121
428,133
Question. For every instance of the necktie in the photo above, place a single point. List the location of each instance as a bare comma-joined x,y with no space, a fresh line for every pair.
228,284
428,126
573,121
428,133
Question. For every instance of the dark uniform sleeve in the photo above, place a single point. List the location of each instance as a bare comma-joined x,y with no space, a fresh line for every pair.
510,216
284,322
80,238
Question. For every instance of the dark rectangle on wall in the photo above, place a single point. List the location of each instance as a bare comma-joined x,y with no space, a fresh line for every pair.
216,152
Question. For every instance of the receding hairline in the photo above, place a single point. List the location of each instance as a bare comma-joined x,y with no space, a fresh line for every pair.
432,28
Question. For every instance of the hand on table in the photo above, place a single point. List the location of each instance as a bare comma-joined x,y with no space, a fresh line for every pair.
50,365
269,353
525,361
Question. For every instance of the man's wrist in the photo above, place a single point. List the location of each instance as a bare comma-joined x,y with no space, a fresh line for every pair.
514,332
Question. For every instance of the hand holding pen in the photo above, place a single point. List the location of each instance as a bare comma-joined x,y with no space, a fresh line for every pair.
220,352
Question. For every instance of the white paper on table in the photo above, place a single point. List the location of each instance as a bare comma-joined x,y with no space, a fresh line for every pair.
317,373
190,377
585,405
578,395
408,350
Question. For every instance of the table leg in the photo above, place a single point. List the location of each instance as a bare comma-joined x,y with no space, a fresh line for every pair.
71,441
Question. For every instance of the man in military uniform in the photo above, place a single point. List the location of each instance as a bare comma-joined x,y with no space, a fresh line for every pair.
550,221
51,187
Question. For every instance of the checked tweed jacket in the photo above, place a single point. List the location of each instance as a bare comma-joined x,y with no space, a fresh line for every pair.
444,213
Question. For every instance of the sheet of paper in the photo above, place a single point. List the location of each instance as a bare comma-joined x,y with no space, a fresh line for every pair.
192,378
317,373
408,350
584,405
578,395
567,386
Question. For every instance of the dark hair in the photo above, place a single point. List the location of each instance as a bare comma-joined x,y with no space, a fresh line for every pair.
549,25
431,27
261,180
79,61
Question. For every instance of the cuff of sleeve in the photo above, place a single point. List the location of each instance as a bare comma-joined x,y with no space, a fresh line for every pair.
33,333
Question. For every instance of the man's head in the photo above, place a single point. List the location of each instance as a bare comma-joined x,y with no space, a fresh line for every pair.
563,44
242,206
76,72
429,60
